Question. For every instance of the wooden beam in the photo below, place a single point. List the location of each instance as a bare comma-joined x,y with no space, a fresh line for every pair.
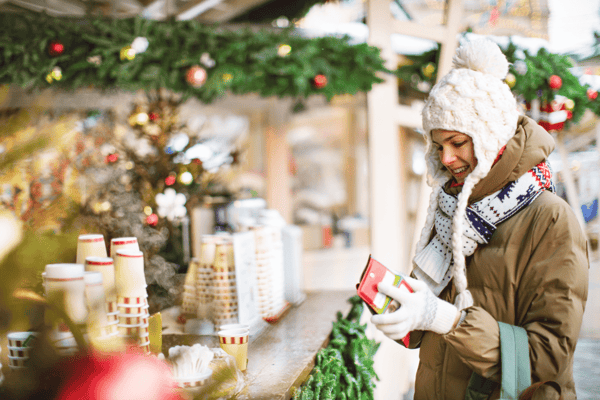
234,9
410,28
408,116
194,8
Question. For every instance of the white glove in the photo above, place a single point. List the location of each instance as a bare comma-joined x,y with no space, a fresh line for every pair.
420,310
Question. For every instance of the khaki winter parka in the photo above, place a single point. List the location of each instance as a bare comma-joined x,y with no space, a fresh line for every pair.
533,273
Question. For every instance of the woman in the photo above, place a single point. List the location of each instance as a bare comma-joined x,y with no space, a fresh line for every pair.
498,244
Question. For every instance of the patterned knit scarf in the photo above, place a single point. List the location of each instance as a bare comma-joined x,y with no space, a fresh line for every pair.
481,220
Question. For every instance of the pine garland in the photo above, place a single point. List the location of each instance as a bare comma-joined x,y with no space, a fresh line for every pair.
530,74
344,369
245,61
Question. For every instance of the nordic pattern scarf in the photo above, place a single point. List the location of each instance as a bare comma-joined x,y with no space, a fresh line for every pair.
433,263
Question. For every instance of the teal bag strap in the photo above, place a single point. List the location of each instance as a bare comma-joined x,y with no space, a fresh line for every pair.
516,370
514,361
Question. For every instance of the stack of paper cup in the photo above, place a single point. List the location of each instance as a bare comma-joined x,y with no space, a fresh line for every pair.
132,300
264,270
106,267
224,303
204,278
19,348
123,243
189,302
91,245
277,264
98,325
233,339
65,287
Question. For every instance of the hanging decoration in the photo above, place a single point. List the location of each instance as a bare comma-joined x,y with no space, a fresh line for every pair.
320,81
592,94
510,80
127,53
137,53
555,82
196,76
55,48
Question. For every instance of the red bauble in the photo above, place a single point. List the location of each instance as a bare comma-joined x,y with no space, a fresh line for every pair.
55,48
153,116
196,76
116,376
569,114
555,82
152,219
592,94
170,180
320,81
111,158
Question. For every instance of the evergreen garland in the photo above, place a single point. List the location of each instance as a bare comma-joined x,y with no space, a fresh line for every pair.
344,369
39,51
530,74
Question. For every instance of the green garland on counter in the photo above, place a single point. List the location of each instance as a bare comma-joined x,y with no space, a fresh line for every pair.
203,61
344,369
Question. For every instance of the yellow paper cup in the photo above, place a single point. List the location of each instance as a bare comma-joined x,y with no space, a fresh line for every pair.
235,343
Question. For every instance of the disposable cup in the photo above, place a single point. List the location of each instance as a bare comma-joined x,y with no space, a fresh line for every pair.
91,245
95,298
227,327
21,339
129,243
235,344
133,301
104,265
65,287
139,330
133,319
130,279
17,361
125,309
195,381
19,351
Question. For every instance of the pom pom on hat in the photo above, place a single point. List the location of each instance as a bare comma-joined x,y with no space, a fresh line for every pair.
472,99
482,55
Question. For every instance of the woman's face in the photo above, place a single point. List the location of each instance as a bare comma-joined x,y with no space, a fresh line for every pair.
456,152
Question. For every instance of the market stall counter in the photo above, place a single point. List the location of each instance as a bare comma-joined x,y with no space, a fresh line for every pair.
281,354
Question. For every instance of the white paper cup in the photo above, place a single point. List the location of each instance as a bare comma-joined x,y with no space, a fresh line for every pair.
104,265
123,243
236,344
127,309
95,299
140,330
133,319
22,352
195,381
21,339
227,327
91,245
17,361
65,287
130,280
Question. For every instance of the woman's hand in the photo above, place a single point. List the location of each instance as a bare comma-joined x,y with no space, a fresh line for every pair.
420,310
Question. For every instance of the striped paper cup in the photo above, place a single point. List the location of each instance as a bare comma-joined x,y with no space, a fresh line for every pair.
192,382
17,361
21,339
22,352
134,319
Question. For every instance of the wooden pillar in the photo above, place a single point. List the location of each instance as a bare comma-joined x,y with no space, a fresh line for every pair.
386,205
277,156
572,196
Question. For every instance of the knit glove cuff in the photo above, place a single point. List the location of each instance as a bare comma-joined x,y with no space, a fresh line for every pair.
439,315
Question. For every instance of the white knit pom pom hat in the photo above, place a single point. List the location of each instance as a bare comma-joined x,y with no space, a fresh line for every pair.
472,99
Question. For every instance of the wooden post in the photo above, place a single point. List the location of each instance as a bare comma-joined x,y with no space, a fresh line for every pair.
572,196
277,152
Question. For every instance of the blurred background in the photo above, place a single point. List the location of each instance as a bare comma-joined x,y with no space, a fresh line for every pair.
337,154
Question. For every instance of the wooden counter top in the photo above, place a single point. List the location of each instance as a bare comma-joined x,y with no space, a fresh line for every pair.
281,355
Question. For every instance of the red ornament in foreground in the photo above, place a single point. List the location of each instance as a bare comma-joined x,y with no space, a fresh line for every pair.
320,81
116,376
592,94
555,82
